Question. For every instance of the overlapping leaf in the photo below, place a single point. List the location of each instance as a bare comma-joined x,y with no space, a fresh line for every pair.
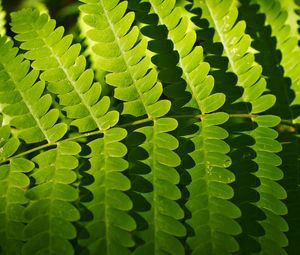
64,70
120,51
111,227
164,227
286,33
13,183
182,184
222,16
50,212
209,154
122,54
24,106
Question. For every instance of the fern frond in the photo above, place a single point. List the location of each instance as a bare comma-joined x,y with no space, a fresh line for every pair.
110,230
50,212
265,147
207,159
291,7
164,227
2,20
13,184
163,131
182,34
22,101
210,192
91,56
287,36
222,15
121,53
236,45
63,69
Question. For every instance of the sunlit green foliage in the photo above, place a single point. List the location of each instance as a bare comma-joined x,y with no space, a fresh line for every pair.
149,127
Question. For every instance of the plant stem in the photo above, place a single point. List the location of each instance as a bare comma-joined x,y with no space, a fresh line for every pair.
134,123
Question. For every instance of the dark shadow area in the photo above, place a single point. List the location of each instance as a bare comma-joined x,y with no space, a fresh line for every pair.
186,146
139,183
290,182
65,12
85,195
245,196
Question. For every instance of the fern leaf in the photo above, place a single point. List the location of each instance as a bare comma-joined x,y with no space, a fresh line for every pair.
266,146
63,69
13,183
161,135
2,21
66,76
209,194
286,33
122,54
291,7
194,70
199,85
50,212
23,104
164,227
95,64
222,16
236,45
110,230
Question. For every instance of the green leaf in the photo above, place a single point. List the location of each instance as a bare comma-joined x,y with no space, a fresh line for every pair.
267,120
212,103
52,191
65,74
215,119
13,183
10,147
112,225
21,165
150,127
26,102
263,103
